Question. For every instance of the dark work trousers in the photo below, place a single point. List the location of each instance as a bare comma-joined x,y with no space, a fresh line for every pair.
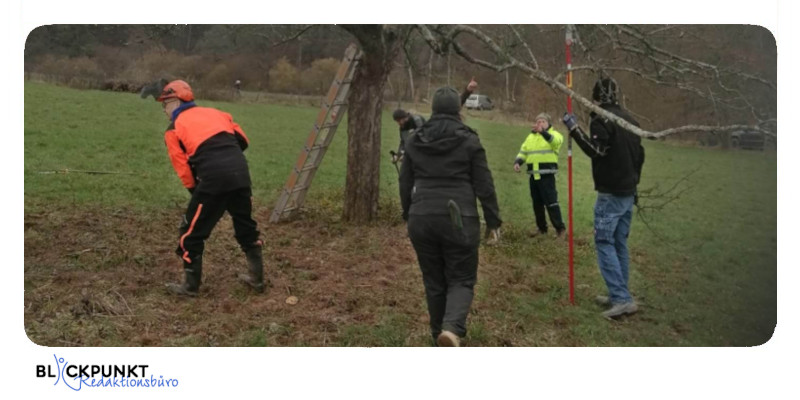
448,258
544,195
205,210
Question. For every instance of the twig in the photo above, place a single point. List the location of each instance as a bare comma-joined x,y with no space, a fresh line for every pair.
675,63
292,37
123,301
77,253
641,210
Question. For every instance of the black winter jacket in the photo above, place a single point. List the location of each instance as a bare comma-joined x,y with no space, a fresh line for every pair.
413,122
617,153
444,160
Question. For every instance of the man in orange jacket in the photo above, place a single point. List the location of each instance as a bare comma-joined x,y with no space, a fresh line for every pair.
206,149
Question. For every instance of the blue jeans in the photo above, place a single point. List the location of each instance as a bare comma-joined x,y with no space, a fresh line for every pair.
612,224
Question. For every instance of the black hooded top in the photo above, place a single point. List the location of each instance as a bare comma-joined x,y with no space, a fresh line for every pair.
444,160
617,153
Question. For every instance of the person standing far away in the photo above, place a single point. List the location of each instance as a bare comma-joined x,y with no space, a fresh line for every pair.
237,88
617,158
444,173
539,152
206,149
409,122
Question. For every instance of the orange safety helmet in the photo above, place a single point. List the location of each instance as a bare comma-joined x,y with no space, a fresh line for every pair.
177,89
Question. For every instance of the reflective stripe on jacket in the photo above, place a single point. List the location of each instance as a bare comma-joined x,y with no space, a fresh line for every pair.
536,150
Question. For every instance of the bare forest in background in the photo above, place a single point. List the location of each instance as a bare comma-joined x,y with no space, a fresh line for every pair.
295,60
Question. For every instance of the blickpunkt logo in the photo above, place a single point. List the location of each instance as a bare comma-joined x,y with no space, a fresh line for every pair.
78,376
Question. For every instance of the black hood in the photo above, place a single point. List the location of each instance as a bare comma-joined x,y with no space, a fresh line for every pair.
441,134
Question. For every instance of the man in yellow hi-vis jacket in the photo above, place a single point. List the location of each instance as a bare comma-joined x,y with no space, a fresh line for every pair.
540,153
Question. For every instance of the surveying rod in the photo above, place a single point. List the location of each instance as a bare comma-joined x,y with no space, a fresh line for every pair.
568,43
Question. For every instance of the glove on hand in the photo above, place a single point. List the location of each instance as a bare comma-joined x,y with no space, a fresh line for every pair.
570,121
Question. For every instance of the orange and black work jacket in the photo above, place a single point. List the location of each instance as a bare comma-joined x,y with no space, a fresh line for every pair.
206,149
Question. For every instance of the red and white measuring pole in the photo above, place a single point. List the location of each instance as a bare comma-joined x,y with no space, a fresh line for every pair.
568,44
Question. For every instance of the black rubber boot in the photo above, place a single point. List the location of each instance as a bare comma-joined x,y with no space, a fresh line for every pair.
193,273
255,272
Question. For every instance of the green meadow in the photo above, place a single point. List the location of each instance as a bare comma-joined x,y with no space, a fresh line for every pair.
703,265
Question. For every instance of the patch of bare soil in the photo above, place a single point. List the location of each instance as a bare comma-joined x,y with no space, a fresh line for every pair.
96,278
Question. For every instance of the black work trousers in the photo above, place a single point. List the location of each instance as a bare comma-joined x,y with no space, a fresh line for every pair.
545,196
203,213
448,258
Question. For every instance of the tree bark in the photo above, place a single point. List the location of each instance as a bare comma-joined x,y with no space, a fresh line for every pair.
380,46
411,83
508,92
448,69
514,89
430,76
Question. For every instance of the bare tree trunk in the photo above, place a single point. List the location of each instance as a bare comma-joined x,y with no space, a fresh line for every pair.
448,69
364,143
430,75
393,93
411,83
299,55
508,93
189,38
514,90
362,184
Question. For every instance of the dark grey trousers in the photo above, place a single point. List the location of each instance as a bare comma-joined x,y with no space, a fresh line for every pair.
448,258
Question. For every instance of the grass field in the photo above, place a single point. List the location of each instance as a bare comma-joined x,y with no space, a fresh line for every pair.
98,248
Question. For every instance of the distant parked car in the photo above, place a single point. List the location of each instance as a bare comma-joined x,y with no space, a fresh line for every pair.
751,140
479,102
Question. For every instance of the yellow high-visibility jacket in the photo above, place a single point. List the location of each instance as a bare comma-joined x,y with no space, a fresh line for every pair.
540,155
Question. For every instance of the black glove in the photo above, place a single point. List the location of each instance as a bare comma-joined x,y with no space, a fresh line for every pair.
570,121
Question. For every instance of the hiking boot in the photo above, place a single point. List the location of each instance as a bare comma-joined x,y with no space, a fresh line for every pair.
620,309
602,301
448,339
255,272
537,233
192,274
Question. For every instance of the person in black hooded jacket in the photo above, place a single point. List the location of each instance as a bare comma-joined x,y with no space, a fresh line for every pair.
444,171
617,158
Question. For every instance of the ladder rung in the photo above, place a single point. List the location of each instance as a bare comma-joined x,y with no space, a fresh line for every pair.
319,128
299,189
299,182
316,147
308,168
290,209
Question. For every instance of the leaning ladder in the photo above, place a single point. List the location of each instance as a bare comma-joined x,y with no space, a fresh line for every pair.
330,114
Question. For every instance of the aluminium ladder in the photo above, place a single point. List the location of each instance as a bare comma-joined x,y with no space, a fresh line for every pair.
330,114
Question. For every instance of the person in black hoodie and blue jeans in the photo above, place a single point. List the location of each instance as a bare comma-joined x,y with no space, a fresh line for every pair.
444,173
617,158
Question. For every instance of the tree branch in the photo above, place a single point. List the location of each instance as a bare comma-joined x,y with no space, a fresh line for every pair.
535,73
